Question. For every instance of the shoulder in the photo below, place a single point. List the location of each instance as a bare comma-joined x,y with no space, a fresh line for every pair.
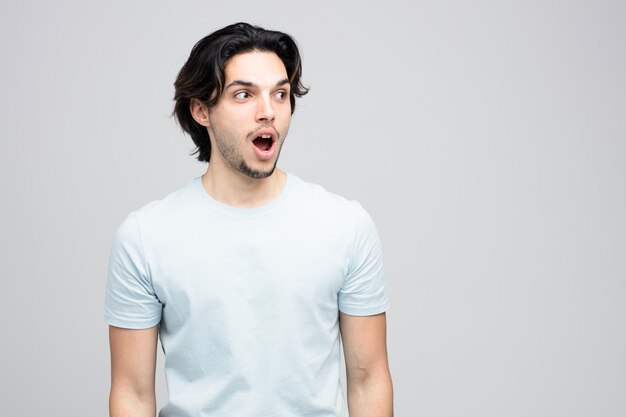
173,204
159,212
319,198
335,213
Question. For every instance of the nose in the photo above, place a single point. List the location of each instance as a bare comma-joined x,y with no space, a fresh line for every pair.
265,112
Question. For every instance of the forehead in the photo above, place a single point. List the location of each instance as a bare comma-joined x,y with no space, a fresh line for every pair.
256,67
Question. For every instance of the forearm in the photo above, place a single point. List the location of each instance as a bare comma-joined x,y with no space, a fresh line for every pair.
123,403
371,396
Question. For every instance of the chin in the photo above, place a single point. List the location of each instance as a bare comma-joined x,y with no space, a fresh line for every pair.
256,173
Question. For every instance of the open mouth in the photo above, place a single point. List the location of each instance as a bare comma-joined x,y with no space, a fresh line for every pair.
263,142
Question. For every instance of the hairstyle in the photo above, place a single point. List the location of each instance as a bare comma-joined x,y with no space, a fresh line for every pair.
203,75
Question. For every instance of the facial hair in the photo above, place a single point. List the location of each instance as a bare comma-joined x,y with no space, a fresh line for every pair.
229,147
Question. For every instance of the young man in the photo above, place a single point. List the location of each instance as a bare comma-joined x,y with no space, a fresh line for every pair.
248,274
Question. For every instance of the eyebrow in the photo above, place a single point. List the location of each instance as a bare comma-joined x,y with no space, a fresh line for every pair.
251,84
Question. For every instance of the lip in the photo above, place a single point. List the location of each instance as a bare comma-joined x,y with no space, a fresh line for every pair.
265,131
265,155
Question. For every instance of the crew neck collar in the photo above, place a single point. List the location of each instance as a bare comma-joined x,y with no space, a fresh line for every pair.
243,211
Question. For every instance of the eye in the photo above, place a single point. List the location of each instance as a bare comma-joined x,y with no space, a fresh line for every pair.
242,95
281,95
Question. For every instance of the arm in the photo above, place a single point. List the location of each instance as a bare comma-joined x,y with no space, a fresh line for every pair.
133,364
370,391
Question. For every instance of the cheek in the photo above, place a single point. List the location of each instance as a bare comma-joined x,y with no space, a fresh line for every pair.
283,127
285,116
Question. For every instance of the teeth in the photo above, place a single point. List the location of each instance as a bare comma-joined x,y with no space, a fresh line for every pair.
266,136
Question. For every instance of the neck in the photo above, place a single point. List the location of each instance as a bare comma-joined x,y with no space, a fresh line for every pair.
238,190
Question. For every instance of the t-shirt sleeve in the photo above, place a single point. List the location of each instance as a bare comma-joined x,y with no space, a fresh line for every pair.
130,299
363,290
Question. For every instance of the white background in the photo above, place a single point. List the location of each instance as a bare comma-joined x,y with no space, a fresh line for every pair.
487,139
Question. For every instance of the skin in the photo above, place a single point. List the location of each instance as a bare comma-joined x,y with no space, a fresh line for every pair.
237,177
369,385
133,368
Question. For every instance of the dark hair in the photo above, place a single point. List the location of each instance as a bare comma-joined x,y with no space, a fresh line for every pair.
203,75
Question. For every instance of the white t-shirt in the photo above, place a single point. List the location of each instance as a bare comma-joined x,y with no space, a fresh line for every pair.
247,298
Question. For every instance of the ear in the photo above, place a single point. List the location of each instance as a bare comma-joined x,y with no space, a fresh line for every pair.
199,112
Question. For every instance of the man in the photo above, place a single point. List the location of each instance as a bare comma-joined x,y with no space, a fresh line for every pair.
248,274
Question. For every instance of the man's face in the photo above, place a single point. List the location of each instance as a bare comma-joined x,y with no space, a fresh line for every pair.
249,123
